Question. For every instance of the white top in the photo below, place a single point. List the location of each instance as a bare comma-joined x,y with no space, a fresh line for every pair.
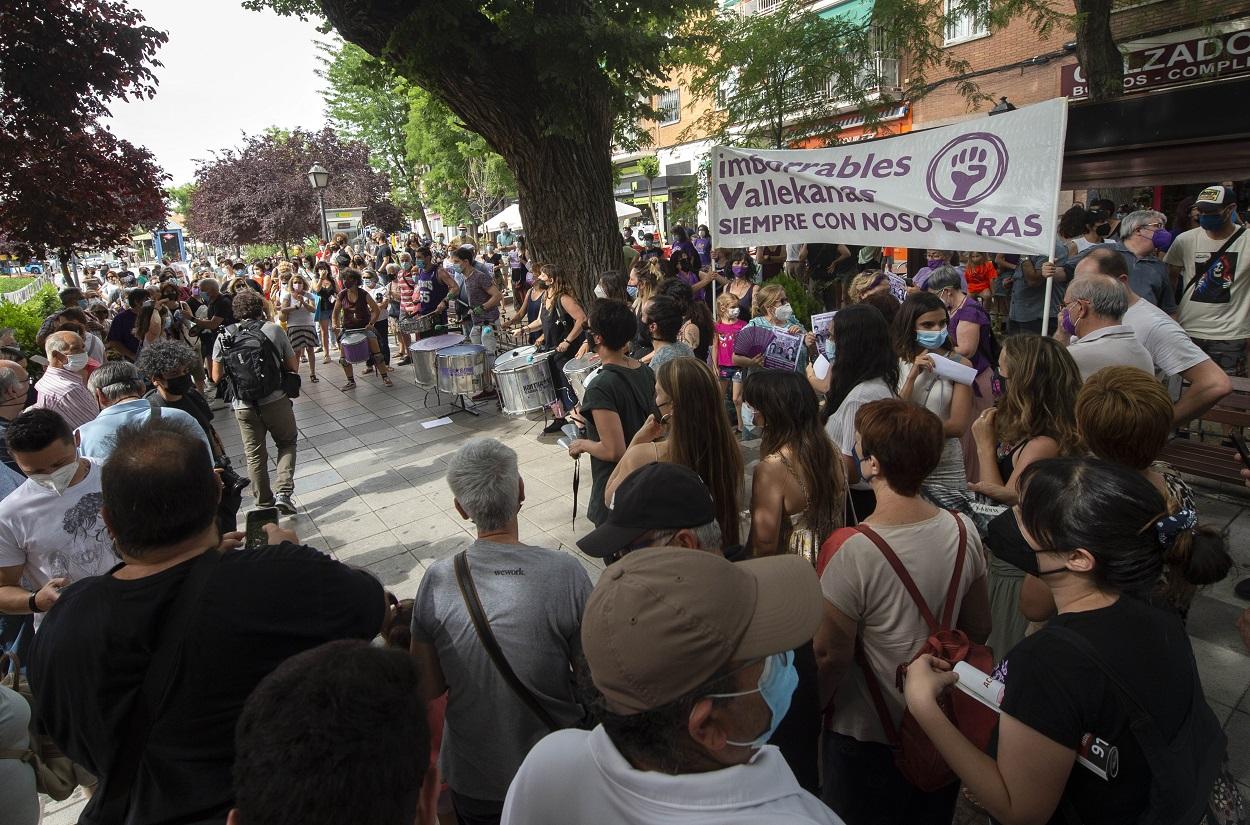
299,313
579,777
1170,348
792,252
53,535
841,425
1110,347
1221,310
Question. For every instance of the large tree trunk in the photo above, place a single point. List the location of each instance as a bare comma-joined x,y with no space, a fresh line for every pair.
560,156
419,205
1096,50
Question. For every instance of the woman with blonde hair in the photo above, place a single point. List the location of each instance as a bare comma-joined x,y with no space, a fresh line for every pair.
1034,420
296,306
693,430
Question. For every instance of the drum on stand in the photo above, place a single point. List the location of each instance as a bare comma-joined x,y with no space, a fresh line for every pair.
424,357
462,369
523,379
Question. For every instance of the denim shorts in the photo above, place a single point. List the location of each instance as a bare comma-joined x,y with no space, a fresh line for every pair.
730,373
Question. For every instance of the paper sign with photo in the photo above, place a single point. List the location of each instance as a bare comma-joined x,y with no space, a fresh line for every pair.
784,352
822,324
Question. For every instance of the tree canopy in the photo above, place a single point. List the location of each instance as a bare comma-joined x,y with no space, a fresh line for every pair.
259,192
545,85
66,181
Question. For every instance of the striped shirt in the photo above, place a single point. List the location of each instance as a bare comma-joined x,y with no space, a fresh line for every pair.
64,392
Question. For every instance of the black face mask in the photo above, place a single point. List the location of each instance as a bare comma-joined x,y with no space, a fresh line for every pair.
178,386
1103,229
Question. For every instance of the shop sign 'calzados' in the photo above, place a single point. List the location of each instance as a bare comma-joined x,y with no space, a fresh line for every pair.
989,184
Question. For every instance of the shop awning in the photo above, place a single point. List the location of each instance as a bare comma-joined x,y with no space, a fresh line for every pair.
1195,134
852,11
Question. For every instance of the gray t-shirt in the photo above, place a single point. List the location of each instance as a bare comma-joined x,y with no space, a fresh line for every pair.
283,344
1026,300
677,349
533,599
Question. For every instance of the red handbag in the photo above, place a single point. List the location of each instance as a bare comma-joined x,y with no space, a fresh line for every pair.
914,754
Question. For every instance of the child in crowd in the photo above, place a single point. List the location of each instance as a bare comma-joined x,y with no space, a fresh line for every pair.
980,274
727,326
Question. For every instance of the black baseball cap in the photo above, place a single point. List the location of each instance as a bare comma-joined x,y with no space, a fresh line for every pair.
1214,198
659,496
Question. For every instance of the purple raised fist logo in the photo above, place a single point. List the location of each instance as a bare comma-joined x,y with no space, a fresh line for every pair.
964,172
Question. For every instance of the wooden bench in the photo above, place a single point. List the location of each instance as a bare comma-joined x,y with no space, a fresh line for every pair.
1201,452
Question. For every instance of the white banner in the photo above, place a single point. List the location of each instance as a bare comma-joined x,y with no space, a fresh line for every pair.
990,184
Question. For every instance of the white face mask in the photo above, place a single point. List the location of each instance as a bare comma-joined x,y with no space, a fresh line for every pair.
784,313
600,292
76,362
734,313
58,480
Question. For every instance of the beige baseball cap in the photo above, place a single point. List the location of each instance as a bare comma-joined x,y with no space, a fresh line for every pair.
664,620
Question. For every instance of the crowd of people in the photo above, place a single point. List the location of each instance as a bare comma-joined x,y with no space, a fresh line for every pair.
944,498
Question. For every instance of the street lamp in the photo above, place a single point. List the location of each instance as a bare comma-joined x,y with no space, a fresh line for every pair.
319,179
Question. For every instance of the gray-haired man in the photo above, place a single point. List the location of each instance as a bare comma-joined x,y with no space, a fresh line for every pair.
118,389
532,600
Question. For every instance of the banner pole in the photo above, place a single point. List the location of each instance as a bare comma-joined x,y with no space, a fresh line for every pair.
1050,284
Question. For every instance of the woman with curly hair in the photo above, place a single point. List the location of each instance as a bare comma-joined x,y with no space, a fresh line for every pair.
1034,420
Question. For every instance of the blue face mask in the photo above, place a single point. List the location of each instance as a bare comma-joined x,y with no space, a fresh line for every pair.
631,291
859,465
931,339
776,686
1212,223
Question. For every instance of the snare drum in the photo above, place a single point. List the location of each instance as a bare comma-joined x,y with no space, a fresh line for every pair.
579,373
523,378
355,346
424,357
462,369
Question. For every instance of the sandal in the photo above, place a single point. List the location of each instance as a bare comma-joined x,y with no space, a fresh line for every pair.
386,379
314,379
325,360
350,385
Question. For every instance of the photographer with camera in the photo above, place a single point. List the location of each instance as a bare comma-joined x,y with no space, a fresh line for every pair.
169,365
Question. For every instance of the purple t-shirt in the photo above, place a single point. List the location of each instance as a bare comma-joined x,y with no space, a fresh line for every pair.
704,247
974,313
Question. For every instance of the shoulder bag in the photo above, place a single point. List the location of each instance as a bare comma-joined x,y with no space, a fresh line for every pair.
468,591
914,753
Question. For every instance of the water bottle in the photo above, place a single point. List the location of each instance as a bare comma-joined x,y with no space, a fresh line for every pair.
488,339
475,334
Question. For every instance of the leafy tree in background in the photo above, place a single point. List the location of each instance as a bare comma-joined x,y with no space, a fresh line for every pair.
366,101
463,179
179,198
545,84
66,182
259,192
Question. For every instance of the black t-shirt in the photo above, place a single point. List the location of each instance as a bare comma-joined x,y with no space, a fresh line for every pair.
222,307
381,253
631,395
259,608
194,405
1055,689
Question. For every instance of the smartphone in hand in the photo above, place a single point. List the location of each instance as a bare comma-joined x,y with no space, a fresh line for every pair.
256,521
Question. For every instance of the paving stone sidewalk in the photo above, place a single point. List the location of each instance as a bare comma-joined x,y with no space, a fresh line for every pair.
370,488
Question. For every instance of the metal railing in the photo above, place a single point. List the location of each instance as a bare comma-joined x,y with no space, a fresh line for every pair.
24,294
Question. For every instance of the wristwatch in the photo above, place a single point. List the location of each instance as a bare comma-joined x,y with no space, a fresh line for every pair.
34,607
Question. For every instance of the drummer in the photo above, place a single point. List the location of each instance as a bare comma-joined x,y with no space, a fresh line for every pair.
434,290
356,310
483,298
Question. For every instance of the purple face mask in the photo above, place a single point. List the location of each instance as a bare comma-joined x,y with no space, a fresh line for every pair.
1066,320
1162,239
738,270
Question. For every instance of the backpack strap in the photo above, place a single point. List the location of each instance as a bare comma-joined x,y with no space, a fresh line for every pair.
899,570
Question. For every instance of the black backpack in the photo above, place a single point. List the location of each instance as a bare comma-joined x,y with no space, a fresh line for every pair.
253,366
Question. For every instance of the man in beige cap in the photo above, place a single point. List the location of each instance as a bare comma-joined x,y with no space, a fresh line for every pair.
689,656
